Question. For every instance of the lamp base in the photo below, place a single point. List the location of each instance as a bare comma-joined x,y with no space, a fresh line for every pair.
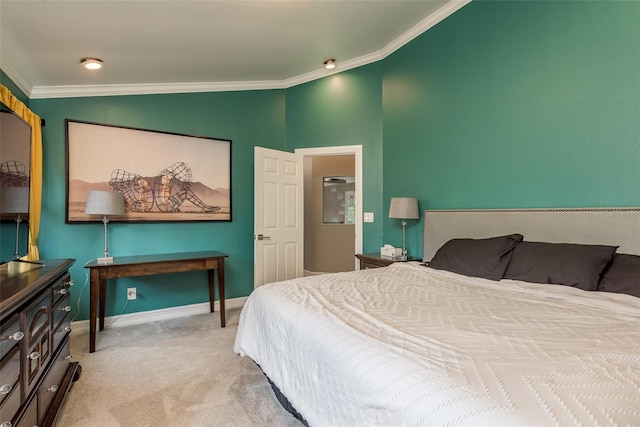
105,260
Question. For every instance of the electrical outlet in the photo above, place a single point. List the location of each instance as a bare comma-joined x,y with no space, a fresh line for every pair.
131,293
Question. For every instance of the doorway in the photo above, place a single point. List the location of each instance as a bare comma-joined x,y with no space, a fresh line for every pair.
330,245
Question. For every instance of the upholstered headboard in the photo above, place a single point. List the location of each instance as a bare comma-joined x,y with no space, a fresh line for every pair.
611,226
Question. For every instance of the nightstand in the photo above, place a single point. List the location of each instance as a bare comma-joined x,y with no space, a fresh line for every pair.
375,260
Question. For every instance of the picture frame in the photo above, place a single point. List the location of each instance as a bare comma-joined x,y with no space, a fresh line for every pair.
163,176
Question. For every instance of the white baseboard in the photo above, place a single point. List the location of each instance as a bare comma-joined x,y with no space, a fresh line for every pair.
161,314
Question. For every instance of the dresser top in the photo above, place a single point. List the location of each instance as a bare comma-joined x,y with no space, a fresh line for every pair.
16,288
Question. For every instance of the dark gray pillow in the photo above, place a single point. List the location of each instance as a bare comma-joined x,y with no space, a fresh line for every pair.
622,275
486,258
568,264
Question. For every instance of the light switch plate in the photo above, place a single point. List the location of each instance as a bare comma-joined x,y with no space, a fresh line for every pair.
368,217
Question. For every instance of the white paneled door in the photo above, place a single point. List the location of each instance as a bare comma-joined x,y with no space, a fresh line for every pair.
279,216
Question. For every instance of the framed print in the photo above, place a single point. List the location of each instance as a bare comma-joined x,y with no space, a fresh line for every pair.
163,176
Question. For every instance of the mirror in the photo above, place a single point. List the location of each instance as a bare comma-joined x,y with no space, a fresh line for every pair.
15,152
338,202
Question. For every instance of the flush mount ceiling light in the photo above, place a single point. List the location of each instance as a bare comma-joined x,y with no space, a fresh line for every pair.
91,63
330,64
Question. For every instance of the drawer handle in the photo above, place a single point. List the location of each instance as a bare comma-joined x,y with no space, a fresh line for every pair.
66,308
6,389
69,357
16,337
33,356
63,291
6,424
52,389
69,283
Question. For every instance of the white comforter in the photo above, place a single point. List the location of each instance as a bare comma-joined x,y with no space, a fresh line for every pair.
409,345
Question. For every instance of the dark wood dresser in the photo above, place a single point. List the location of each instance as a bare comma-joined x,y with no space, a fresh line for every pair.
36,371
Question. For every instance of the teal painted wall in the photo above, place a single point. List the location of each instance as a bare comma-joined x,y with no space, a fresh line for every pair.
344,109
503,104
515,104
247,118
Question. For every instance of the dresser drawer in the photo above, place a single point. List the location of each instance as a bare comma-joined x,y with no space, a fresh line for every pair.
62,331
10,386
61,309
10,334
52,382
30,415
61,288
37,322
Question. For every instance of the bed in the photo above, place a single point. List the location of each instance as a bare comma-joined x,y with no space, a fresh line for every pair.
465,339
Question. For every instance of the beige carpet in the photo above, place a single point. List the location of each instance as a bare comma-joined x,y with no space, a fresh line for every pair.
179,372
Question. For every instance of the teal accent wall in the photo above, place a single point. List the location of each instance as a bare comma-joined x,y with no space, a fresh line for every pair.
247,118
338,110
504,104
511,104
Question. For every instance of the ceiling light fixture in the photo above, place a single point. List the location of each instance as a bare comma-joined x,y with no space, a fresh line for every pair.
91,63
330,64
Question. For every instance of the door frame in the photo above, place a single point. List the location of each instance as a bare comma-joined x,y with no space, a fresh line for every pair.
355,150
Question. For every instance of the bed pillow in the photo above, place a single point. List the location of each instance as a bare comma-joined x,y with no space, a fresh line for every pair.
568,264
486,258
622,275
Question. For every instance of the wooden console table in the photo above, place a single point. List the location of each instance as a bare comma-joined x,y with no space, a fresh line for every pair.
148,265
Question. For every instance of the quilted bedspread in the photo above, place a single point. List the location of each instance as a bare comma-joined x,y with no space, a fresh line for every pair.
408,345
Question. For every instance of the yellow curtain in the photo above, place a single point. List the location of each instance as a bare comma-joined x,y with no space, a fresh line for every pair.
35,198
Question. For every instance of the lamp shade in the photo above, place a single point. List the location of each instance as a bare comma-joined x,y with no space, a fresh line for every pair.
404,208
104,203
14,200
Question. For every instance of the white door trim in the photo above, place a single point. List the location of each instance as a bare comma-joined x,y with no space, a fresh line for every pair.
356,150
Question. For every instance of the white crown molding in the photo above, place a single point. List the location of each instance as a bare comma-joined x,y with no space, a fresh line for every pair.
438,16
38,92
10,71
342,66
48,92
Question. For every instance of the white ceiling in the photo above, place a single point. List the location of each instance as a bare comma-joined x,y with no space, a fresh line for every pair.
190,46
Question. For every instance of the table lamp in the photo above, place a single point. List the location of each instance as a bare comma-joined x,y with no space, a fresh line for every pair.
404,208
105,203
15,200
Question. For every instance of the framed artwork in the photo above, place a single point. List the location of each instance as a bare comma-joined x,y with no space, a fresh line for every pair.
163,176
338,199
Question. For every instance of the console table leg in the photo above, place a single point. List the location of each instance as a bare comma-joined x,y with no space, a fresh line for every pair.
211,291
94,294
221,291
102,285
